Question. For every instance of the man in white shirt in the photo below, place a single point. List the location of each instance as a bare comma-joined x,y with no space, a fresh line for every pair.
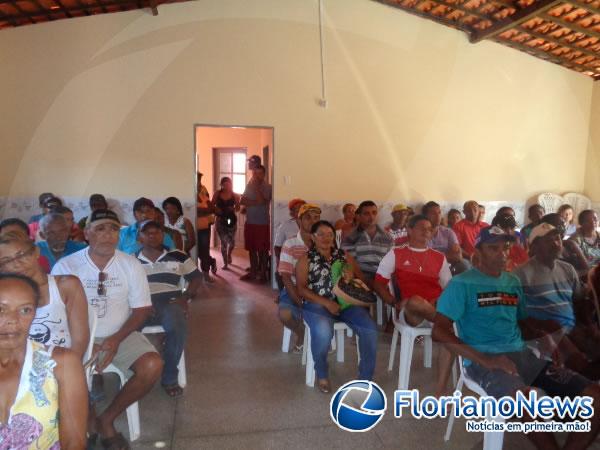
116,286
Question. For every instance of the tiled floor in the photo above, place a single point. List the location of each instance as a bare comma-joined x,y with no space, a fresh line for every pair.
243,392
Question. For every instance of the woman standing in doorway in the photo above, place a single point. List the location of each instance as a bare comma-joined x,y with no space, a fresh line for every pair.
227,203
176,221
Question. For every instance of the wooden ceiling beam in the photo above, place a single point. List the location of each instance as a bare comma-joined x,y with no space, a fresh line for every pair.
570,25
557,41
424,15
522,15
74,9
549,56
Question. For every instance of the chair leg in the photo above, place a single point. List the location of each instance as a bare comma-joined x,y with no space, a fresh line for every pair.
339,337
133,419
358,349
350,333
427,351
310,363
493,440
407,343
393,349
305,345
459,386
287,338
182,375
379,312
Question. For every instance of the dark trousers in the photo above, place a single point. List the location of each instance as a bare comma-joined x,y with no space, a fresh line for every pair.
204,249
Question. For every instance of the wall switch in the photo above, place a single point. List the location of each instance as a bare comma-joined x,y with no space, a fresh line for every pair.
287,179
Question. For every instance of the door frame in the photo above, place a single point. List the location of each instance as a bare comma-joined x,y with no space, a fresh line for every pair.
271,168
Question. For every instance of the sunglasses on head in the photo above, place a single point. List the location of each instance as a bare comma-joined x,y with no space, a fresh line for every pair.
102,277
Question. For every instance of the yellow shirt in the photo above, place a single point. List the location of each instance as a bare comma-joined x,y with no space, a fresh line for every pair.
33,419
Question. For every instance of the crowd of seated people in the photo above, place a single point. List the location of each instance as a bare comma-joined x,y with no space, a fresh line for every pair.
55,273
523,313
434,275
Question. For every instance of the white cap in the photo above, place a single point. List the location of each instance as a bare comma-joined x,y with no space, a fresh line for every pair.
540,230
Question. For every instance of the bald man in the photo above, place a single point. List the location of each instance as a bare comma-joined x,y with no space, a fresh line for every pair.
468,229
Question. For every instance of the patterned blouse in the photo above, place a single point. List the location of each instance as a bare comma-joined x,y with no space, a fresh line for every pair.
591,251
319,271
33,422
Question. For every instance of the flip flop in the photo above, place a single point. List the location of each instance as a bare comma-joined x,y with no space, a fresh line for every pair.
173,390
116,442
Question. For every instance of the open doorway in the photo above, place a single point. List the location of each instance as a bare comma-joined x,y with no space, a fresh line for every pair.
224,151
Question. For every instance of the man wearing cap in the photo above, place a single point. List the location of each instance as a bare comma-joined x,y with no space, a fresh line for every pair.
287,230
421,274
253,162
97,201
443,239
168,272
397,229
290,303
116,287
489,309
54,230
41,200
468,228
143,209
50,202
257,237
554,296
367,243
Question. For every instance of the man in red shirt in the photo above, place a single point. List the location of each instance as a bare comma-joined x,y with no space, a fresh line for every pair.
421,273
468,229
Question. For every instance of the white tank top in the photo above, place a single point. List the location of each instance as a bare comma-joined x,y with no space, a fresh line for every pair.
50,326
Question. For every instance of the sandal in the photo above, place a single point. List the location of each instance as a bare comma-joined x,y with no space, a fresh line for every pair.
173,390
116,442
324,385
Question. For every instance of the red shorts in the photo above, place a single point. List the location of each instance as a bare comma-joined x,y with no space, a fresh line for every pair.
257,238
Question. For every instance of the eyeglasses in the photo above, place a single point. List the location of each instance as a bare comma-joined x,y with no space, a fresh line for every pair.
102,277
19,256
324,235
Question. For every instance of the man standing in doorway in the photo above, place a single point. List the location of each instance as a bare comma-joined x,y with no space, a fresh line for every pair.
257,239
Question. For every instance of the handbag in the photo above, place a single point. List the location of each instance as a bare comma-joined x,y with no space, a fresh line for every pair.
354,292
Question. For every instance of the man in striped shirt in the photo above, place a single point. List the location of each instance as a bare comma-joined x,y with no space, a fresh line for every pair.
368,243
290,303
168,272
554,296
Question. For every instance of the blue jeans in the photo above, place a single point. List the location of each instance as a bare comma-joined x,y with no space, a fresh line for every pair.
172,319
320,321
286,302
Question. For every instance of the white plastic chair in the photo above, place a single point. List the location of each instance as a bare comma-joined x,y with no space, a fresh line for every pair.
93,324
388,311
407,343
338,238
550,201
132,411
492,440
182,375
287,337
339,329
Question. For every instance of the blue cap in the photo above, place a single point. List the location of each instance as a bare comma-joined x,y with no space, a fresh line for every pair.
493,235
